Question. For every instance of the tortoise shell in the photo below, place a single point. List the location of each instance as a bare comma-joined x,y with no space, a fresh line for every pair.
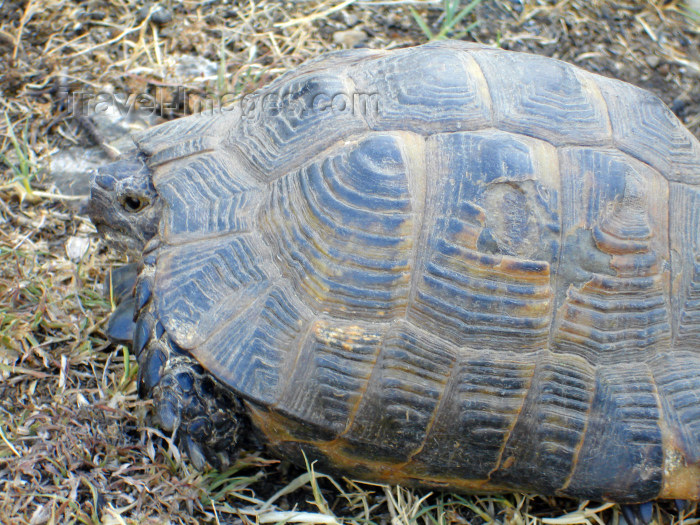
450,266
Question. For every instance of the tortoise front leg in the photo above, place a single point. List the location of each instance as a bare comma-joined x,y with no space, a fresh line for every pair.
206,419
190,404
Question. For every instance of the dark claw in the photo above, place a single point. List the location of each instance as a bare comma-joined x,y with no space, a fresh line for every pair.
166,413
144,288
194,452
628,515
638,514
142,332
159,330
200,429
120,327
646,512
123,279
185,381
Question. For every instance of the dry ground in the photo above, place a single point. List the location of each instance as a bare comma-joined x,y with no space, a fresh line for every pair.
75,446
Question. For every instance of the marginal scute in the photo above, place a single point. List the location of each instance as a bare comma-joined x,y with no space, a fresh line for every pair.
684,216
203,284
207,196
550,425
402,397
544,98
645,128
677,379
621,455
284,119
175,136
254,349
183,149
482,400
335,362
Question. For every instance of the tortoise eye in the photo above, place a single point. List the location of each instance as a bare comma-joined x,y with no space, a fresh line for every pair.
134,203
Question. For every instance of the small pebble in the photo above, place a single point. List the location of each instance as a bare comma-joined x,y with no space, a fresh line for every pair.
159,16
653,61
349,19
349,38
142,13
76,247
646,512
678,106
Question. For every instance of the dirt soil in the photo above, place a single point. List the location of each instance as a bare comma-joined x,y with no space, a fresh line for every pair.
76,445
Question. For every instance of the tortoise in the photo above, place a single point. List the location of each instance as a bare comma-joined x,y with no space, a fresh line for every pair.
447,266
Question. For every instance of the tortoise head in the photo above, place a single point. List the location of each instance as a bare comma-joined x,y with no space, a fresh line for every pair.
124,205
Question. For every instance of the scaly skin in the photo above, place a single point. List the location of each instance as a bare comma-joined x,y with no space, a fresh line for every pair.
206,418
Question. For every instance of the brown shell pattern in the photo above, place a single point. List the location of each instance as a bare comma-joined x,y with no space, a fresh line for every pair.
451,265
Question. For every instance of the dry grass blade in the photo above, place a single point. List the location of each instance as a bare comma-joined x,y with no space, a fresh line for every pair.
583,515
29,11
315,16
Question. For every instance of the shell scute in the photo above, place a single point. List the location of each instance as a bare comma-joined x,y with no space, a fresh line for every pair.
484,396
338,359
402,398
544,98
551,424
286,118
684,229
204,197
645,128
468,287
614,299
202,284
440,92
622,452
347,238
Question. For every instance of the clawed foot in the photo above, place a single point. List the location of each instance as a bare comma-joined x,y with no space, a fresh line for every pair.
192,406
206,419
640,514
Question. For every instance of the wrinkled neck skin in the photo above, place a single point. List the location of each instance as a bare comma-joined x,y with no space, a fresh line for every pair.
124,205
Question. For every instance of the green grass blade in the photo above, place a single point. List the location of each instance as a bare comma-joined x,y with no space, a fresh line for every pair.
421,23
448,25
449,6
23,169
467,30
